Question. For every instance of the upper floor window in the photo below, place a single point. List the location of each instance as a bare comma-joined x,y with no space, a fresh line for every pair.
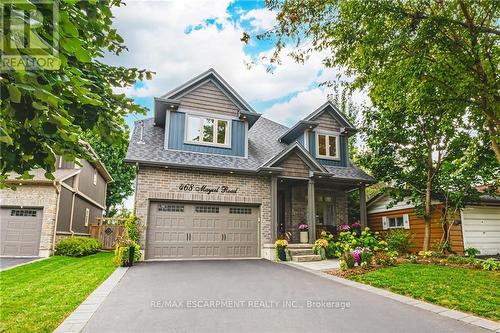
207,130
95,177
327,146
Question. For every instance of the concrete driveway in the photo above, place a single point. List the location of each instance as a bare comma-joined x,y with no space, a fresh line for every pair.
252,296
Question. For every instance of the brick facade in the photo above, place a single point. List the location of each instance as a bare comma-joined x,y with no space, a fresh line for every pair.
36,196
155,183
162,184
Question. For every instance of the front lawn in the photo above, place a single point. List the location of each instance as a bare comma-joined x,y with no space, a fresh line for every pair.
468,290
38,296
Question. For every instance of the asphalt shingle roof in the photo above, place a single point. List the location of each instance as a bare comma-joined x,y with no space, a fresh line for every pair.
263,144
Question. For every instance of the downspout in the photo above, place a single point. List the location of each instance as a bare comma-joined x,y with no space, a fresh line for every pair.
75,188
57,186
136,182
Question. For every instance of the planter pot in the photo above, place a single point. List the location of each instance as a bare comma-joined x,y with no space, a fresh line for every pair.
282,253
304,237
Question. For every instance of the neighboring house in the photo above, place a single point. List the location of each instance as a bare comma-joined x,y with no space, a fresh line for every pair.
477,225
41,210
217,180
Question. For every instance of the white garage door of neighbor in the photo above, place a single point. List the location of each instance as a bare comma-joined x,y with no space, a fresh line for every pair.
195,231
481,229
20,231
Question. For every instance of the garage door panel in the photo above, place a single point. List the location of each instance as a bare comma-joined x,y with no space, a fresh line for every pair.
200,229
481,229
20,231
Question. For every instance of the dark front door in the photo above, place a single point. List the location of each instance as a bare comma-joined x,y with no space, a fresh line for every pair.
325,218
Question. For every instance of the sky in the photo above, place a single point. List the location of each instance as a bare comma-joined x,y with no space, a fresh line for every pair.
181,39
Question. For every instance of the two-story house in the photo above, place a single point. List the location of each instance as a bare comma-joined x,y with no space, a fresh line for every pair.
40,211
215,179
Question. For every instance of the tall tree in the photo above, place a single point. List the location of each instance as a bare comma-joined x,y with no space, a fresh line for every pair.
372,39
112,154
44,111
425,152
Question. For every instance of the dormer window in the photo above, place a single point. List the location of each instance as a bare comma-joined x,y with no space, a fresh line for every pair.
327,146
207,130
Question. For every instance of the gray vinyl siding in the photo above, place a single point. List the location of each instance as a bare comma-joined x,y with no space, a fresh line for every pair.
176,137
70,181
86,184
64,214
209,98
343,151
79,215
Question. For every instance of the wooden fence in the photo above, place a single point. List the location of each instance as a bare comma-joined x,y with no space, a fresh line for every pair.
107,231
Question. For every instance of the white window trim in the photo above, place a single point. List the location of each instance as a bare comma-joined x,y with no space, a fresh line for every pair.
406,222
216,120
87,214
94,181
337,151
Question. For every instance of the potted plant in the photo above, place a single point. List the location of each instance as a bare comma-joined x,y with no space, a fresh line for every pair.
304,233
356,228
281,245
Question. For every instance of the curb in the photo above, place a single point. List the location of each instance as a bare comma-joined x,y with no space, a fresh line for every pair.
23,264
442,311
77,320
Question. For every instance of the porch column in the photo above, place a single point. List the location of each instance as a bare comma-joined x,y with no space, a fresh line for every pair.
274,208
362,206
311,211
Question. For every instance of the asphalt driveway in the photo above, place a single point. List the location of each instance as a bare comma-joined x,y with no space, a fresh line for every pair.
6,262
252,296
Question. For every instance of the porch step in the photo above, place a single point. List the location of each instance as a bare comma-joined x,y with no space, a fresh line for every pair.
300,252
309,257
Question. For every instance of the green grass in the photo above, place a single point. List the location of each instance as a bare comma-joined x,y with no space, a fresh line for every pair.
468,290
38,296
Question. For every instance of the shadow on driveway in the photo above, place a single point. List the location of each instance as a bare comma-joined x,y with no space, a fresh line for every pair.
252,296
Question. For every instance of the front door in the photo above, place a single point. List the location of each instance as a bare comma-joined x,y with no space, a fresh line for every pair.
325,220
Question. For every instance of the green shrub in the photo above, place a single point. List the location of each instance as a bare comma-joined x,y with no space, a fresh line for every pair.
77,246
399,240
386,258
471,252
122,252
132,228
491,265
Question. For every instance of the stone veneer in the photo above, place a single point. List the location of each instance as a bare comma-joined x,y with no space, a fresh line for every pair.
39,196
155,183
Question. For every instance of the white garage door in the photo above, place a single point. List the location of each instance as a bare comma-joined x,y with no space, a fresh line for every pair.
20,231
178,230
481,229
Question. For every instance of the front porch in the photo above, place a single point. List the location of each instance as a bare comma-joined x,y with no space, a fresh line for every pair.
318,201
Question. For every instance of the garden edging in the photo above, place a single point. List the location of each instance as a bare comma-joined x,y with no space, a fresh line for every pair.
458,315
77,320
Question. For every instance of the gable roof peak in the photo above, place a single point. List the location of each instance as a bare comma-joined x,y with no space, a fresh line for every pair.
336,113
301,150
210,74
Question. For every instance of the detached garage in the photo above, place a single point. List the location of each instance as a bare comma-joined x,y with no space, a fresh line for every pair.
476,226
481,228
196,231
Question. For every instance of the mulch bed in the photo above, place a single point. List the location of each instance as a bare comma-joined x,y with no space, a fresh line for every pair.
423,261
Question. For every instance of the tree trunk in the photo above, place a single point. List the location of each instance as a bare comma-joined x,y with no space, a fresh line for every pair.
428,198
493,138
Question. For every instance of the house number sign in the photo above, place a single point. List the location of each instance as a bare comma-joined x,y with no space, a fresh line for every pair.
206,189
